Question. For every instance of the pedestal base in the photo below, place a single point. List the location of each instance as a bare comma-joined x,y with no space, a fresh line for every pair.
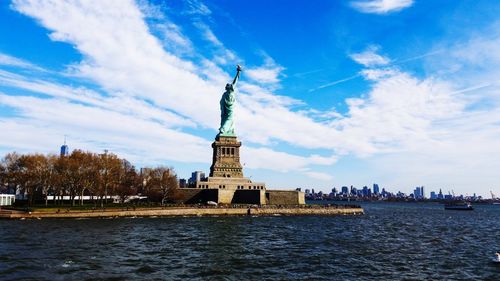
226,158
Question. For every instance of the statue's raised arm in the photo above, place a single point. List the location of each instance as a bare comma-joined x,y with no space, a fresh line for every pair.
237,76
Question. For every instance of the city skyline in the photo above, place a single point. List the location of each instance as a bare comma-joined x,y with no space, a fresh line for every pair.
385,193
403,93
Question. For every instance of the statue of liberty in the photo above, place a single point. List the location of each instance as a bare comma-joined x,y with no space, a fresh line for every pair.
227,107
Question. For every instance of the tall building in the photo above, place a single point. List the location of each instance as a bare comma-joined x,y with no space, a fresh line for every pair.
376,189
366,191
196,176
345,189
440,194
354,191
433,195
417,193
64,149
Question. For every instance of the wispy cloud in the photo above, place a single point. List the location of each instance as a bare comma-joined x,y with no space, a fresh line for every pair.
269,73
258,158
197,7
221,55
370,58
417,57
381,6
330,84
16,62
319,176
173,39
96,128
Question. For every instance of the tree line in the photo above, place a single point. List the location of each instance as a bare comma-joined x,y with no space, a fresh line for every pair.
83,173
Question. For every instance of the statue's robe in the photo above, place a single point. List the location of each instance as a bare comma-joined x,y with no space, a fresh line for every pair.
226,118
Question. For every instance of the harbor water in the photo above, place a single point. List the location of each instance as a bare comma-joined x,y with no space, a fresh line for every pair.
392,241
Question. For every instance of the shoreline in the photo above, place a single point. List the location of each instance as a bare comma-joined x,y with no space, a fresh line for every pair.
186,212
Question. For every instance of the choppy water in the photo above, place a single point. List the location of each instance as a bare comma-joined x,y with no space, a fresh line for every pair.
390,242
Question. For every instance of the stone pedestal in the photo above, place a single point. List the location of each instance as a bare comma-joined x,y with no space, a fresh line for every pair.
226,158
226,177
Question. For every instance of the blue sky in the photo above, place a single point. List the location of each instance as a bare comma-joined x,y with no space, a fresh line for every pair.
397,92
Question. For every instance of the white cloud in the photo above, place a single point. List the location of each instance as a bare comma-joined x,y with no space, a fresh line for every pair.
221,55
95,128
268,74
440,132
370,57
319,176
173,39
379,73
115,102
258,158
197,7
16,62
381,6
208,34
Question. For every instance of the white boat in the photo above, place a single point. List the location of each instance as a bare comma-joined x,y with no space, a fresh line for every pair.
496,258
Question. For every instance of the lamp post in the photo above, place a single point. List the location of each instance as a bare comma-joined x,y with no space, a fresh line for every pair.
106,175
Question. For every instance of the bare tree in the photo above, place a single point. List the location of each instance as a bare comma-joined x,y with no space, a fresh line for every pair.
11,171
161,184
129,181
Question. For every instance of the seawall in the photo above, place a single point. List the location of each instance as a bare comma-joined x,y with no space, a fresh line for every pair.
187,211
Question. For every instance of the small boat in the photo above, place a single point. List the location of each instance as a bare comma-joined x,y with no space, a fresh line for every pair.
459,206
496,259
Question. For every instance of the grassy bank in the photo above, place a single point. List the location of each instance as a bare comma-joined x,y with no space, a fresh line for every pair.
182,211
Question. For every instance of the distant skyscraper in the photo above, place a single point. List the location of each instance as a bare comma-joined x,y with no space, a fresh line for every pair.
196,176
345,189
64,148
417,193
334,192
365,190
440,194
376,189
433,195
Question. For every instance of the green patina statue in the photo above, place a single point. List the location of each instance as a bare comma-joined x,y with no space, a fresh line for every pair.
227,107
